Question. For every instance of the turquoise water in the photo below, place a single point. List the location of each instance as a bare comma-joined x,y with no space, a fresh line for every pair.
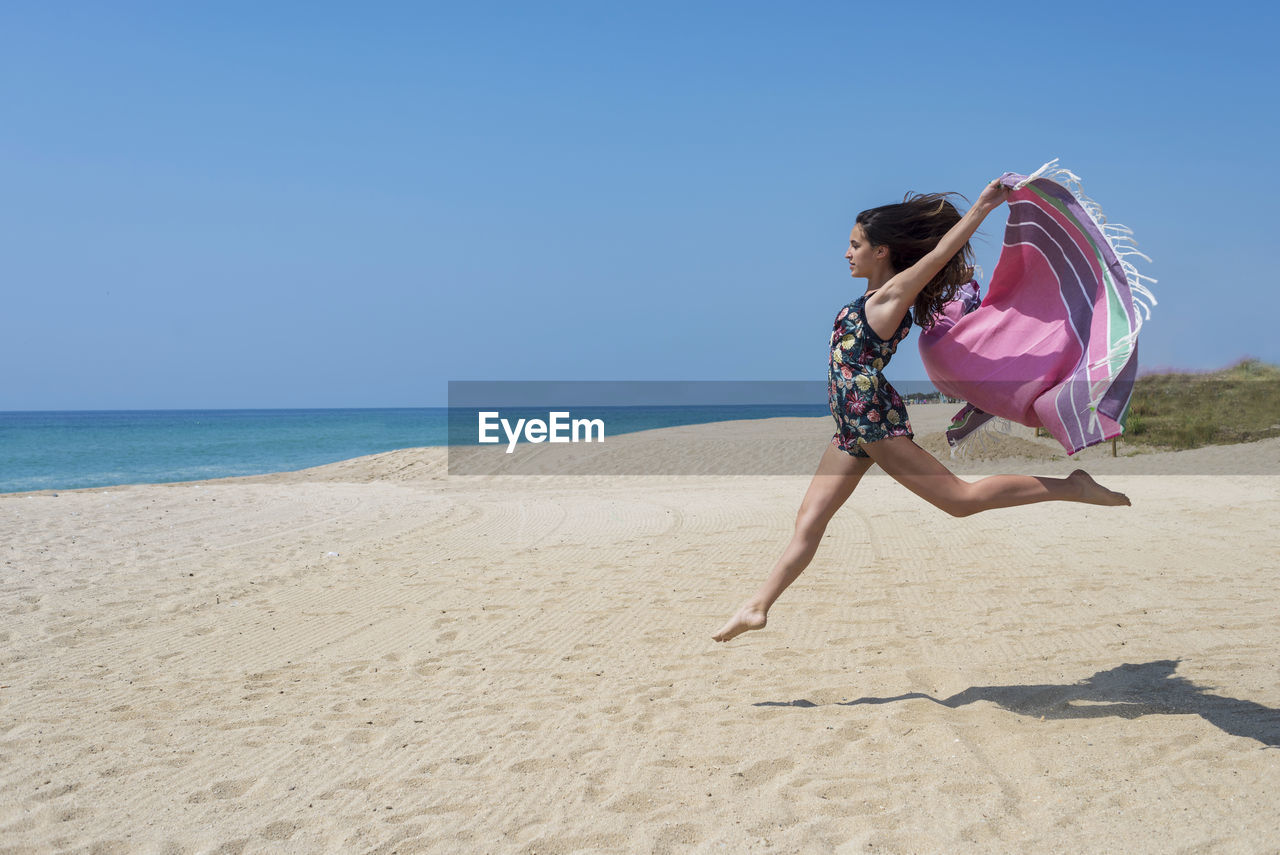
68,450
72,450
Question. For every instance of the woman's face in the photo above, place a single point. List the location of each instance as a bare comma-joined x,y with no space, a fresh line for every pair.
860,254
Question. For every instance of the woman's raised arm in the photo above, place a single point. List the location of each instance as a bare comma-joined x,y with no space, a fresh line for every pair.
900,292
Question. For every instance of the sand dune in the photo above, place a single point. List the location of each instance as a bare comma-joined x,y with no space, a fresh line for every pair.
375,656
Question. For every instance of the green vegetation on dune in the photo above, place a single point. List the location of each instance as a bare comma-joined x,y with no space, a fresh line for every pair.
1237,404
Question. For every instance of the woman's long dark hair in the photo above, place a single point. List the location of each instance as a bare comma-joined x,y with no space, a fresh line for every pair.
910,229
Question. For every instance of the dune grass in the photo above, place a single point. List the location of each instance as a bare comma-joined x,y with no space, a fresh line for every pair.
1238,404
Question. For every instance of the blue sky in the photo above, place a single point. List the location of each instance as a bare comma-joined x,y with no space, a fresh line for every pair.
331,205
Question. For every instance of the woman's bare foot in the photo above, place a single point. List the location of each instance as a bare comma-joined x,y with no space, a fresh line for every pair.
1093,492
748,617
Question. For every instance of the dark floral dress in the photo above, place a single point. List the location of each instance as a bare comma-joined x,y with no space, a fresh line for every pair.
866,408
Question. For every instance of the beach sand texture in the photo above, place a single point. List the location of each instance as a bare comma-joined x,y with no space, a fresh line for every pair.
376,657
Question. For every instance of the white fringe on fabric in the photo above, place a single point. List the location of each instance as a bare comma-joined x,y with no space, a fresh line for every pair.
981,440
1120,239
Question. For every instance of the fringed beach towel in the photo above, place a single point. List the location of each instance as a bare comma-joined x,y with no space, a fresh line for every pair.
1053,343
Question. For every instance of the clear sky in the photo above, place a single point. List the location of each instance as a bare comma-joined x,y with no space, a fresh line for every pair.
288,204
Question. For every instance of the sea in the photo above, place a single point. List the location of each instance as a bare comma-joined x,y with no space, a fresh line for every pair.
75,450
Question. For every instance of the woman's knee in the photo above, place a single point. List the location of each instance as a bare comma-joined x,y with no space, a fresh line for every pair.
948,494
960,508
959,502
811,522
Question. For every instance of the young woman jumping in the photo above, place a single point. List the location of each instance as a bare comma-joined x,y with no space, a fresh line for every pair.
914,256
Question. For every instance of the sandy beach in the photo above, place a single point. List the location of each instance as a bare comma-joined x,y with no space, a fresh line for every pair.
376,656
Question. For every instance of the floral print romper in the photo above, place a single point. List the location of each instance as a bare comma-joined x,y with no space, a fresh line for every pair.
866,408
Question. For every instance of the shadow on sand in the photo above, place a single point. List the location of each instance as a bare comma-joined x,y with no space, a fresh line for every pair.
1127,691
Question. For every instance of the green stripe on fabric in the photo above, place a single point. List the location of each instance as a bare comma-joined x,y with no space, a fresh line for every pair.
1117,317
1118,327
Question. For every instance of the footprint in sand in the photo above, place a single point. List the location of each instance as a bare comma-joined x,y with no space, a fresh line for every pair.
681,835
637,802
233,789
764,770
55,792
279,830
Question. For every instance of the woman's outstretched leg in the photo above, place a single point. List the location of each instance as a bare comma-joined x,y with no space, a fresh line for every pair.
838,474
922,473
